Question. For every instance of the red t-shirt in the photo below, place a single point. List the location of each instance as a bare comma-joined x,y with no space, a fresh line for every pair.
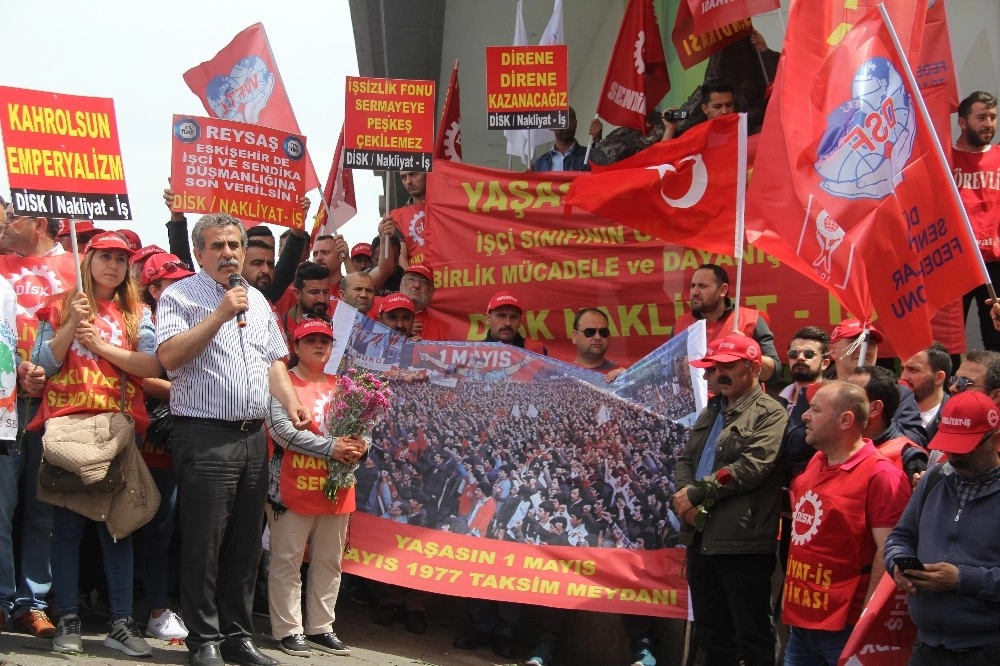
977,176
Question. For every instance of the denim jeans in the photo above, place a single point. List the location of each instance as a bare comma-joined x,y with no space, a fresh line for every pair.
67,531
153,540
814,647
27,587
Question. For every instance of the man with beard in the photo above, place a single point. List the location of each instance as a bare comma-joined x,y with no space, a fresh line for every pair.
312,297
975,165
926,372
396,312
566,154
710,301
503,316
258,267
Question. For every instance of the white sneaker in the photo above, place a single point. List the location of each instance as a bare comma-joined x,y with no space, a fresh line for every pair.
167,626
126,637
68,638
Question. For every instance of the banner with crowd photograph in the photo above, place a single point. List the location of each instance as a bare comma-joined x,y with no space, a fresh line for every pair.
506,475
489,230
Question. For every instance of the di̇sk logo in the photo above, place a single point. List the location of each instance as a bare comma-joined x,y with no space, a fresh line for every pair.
453,140
109,331
33,284
320,407
640,46
418,225
671,179
806,517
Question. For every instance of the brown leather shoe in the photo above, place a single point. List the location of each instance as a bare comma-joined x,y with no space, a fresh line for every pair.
36,623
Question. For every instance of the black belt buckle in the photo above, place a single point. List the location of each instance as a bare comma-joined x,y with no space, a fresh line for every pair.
249,424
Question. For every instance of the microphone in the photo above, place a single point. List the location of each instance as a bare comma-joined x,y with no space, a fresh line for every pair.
241,317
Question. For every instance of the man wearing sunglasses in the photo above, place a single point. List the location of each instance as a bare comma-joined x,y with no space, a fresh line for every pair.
950,525
592,336
979,372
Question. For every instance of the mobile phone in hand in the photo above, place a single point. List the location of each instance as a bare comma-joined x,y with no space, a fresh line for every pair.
907,563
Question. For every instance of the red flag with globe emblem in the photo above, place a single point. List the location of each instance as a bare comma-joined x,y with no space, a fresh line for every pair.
850,194
449,137
242,83
637,76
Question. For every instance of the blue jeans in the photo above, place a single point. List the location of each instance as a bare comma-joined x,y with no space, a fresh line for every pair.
815,647
67,531
153,540
27,590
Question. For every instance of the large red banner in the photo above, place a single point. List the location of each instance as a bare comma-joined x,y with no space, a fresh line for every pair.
252,172
490,230
62,156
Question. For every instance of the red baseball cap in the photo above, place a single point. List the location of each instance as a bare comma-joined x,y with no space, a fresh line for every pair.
310,326
82,227
145,253
965,419
852,328
361,250
710,349
423,270
162,265
502,298
108,240
735,347
396,301
133,238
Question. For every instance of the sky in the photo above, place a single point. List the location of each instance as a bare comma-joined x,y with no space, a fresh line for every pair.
137,52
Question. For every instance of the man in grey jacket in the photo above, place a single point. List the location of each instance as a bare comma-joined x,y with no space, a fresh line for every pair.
729,499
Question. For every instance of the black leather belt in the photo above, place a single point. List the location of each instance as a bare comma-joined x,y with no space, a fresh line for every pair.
247,425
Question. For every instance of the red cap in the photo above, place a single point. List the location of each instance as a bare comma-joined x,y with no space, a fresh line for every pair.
851,328
108,240
423,270
145,253
710,349
132,238
502,298
735,347
310,326
396,301
965,420
82,227
361,250
162,265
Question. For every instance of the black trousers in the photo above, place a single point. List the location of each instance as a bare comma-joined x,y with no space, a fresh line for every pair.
731,601
222,480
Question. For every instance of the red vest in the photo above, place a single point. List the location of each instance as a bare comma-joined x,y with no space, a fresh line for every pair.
893,449
87,383
301,477
722,327
412,223
832,548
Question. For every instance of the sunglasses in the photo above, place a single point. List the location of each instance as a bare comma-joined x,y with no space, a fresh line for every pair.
591,332
808,354
172,266
959,384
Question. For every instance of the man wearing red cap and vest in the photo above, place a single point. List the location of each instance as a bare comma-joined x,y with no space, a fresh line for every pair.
950,525
844,505
729,498
710,301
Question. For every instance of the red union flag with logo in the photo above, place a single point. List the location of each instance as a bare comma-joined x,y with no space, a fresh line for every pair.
682,191
709,15
855,202
884,635
637,76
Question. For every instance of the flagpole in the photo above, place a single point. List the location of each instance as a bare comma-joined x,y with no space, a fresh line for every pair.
74,245
937,146
590,142
741,197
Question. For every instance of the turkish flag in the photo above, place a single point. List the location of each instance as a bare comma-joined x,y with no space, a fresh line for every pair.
849,194
637,76
709,15
885,634
682,190
449,137
242,83
339,203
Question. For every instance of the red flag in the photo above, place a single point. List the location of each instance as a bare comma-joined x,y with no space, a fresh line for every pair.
855,204
885,634
449,137
709,15
683,190
242,83
338,196
693,46
637,76
937,67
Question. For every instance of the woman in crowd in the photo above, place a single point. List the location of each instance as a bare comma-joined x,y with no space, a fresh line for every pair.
298,511
90,343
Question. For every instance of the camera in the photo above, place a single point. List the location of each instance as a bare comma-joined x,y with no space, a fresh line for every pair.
675,115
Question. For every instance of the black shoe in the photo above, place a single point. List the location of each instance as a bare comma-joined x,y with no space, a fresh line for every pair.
245,653
415,622
470,639
206,655
328,643
295,645
502,646
385,614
